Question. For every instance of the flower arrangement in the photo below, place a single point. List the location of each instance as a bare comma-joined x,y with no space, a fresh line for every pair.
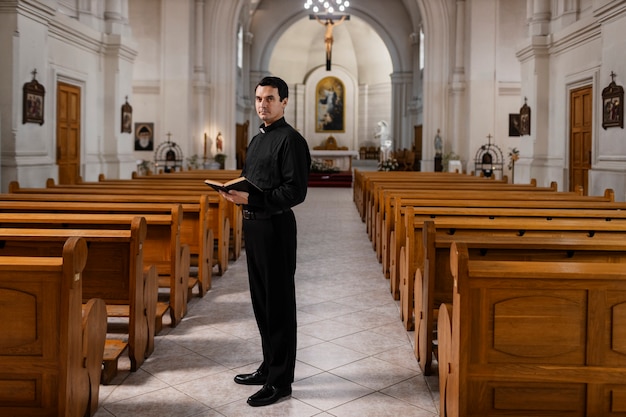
513,156
220,158
389,164
193,162
144,167
450,156
320,166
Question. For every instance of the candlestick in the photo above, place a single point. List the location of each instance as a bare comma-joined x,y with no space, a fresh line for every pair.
205,138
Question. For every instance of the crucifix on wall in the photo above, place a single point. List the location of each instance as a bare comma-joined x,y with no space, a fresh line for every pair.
329,22
324,13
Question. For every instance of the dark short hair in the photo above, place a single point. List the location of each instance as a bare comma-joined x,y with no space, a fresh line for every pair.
283,89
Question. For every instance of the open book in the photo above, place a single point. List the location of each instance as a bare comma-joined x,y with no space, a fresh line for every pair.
238,184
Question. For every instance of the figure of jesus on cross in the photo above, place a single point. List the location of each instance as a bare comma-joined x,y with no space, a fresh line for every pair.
329,23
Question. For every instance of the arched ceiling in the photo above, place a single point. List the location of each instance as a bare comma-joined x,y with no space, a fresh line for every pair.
356,47
374,43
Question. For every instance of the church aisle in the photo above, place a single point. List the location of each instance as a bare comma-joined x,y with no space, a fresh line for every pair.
354,357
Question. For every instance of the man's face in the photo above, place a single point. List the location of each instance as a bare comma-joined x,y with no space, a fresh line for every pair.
269,107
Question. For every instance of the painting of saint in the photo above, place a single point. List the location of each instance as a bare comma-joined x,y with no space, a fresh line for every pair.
330,116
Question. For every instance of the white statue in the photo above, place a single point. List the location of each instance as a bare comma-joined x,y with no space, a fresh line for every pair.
438,144
384,137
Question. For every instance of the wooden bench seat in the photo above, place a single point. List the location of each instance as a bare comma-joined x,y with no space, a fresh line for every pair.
393,234
425,181
364,179
424,277
193,229
392,203
114,272
212,206
533,339
178,183
50,348
161,248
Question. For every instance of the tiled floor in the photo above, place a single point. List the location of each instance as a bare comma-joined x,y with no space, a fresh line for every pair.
354,357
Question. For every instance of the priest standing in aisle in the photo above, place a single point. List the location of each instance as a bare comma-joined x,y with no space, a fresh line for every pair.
278,161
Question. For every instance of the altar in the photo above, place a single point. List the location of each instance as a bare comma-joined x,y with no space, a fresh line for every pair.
341,159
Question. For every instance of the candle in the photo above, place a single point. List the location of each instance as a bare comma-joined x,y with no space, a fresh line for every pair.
205,145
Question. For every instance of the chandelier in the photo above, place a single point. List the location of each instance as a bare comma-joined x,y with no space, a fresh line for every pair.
327,6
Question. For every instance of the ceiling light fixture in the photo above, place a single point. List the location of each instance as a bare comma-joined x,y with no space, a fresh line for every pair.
326,6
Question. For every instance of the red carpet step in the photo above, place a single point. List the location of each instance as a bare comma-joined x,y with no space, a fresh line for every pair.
334,179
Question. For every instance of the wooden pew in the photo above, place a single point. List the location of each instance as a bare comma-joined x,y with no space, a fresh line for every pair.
435,183
533,339
193,180
217,174
194,231
364,179
114,272
393,235
217,206
177,183
161,247
376,203
392,201
394,204
50,350
430,283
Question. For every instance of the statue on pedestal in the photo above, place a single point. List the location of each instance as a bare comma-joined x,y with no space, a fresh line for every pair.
438,144
386,143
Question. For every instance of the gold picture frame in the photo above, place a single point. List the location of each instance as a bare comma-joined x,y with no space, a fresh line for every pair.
329,105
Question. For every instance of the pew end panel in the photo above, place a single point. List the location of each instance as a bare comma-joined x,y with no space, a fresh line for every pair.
536,338
44,361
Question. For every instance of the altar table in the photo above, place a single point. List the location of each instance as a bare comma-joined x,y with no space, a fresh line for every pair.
335,158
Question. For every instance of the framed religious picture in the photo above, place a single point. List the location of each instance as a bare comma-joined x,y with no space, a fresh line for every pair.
34,94
144,136
514,124
613,105
524,119
127,117
329,106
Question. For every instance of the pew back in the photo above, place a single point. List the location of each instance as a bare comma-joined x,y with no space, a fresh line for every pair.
535,338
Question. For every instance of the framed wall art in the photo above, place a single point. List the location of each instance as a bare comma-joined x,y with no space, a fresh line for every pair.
33,106
514,124
613,105
144,136
524,119
127,117
329,107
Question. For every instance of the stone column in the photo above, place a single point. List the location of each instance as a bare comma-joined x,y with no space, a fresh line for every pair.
401,93
457,90
539,22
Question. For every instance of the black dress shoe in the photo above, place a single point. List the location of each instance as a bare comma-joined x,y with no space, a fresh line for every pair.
268,395
255,378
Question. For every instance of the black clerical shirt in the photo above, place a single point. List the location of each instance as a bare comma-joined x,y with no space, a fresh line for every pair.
278,161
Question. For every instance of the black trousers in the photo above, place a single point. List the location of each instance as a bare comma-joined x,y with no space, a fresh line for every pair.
271,256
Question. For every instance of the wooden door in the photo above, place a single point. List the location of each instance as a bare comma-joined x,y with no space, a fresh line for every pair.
242,143
581,101
417,146
68,133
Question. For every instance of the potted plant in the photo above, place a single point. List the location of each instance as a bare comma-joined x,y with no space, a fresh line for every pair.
144,167
193,162
450,156
220,158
